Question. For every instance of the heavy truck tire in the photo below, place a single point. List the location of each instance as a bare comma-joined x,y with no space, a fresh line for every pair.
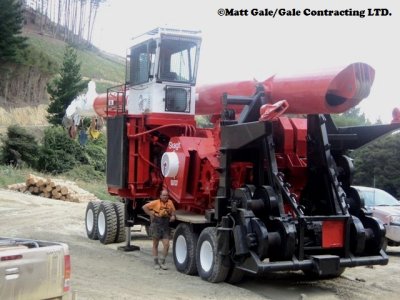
120,214
210,265
184,249
92,210
107,223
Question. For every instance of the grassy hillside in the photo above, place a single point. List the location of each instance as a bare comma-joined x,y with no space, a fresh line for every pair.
106,70
47,53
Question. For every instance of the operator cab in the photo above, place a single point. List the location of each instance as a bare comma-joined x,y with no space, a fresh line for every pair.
162,68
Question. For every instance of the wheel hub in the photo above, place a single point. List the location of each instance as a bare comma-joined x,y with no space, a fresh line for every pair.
102,223
181,249
206,256
89,220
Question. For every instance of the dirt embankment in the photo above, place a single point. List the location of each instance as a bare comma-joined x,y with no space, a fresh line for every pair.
22,86
23,96
103,272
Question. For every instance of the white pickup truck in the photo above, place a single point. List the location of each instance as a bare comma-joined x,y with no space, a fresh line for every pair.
31,269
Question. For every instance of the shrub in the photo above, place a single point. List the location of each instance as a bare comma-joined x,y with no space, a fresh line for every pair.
19,147
96,156
55,161
58,152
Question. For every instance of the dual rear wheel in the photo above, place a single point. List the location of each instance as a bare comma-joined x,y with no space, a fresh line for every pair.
198,254
104,221
92,211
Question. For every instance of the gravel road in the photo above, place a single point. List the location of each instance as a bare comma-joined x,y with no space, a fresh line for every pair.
102,272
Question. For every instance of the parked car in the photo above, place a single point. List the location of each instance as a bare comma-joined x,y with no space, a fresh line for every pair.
385,208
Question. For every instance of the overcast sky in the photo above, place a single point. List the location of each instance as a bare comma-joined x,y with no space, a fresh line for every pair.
247,47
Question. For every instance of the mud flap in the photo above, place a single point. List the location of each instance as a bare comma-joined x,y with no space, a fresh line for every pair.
324,265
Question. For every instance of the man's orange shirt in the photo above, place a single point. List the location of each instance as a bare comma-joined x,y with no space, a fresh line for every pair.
161,209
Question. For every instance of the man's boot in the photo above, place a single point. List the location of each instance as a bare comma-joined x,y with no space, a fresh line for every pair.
162,263
156,264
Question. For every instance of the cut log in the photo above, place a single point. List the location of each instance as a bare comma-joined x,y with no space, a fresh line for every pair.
50,183
52,188
17,186
64,191
55,194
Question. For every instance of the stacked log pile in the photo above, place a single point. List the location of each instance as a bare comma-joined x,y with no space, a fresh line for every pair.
52,188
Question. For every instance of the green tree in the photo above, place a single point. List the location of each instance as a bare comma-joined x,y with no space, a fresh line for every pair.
66,87
378,164
58,152
11,22
352,117
19,147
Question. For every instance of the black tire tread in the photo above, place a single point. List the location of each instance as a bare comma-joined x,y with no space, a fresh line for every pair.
120,213
190,268
111,223
94,206
219,270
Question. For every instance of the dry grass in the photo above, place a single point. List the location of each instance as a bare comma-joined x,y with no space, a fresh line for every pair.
24,116
31,118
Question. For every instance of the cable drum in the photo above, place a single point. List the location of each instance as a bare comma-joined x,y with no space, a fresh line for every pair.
169,164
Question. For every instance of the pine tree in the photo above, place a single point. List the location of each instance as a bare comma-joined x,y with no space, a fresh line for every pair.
66,87
11,22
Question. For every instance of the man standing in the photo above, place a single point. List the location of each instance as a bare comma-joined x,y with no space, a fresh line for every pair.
161,212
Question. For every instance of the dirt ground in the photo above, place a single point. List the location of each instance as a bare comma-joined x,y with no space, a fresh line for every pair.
102,272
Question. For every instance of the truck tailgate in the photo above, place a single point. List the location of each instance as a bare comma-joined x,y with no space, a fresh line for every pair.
32,273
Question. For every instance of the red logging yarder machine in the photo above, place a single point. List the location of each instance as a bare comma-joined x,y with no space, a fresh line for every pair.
266,187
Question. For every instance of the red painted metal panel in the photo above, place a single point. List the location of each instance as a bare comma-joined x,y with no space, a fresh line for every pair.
332,91
300,136
333,234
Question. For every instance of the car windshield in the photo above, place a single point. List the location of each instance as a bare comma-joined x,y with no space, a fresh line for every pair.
377,197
